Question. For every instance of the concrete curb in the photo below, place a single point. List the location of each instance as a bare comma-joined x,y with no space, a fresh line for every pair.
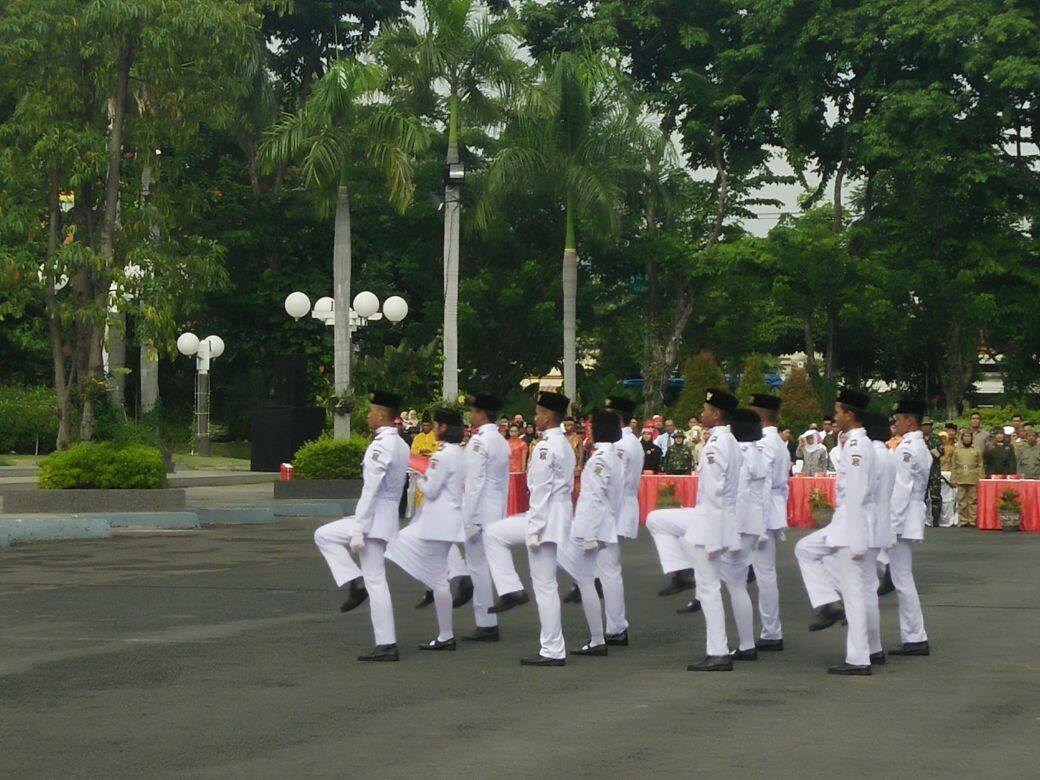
252,515
51,529
157,520
94,502
326,508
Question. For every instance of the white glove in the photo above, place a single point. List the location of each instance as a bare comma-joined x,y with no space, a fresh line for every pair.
357,541
858,556
472,531
713,555
590,544
761,543
533,542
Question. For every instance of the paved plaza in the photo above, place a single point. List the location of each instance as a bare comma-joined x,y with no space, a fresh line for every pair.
221,653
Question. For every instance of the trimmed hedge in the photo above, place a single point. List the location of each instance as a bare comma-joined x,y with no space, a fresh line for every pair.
330,459
103,465
28,415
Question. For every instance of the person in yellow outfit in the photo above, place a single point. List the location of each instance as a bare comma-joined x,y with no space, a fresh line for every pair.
424,443
967,470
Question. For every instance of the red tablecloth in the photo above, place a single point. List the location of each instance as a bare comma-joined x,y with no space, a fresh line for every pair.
799,513
651,484
989,494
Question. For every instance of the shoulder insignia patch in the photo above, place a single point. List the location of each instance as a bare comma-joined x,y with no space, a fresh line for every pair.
851,442
543,454
476,446
711,458
713,439
376,454
598,468
621,454
907,457
433,463
855,460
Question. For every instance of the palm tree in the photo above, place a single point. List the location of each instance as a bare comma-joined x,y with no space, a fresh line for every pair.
458,70
340,119
576,135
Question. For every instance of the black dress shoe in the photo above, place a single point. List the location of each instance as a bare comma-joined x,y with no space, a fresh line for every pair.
827,616
436,644
712,663
464,593
886,586
541,660
680,581
509,600
689,608
912,648
574,597
588,649
850,669
617,640
744,655
355,596
426,600
770,645
485,634
878,658
381,653
751,574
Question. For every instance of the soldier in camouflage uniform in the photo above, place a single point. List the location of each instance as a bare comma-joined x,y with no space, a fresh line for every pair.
678,459
935,446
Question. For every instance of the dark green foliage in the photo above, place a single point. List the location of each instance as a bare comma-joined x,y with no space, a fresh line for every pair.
28,419
103,465
700,372
800,407
330,459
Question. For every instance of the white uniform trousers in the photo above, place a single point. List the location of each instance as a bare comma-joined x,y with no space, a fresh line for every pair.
734,574
911,620
333,540
608,569
580,564
667,527
498,538
763,561
456,563
870,587
480,573
831,574
948,493
427,561
707,573
542,560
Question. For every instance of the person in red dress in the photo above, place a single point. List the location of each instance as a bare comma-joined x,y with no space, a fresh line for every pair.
517,450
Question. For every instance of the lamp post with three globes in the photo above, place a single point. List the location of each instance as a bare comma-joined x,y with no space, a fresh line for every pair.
204,350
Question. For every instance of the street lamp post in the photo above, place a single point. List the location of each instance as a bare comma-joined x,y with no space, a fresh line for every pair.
364,310
204,350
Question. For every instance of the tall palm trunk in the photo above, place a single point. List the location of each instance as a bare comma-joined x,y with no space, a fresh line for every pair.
452,207
570,303
341,294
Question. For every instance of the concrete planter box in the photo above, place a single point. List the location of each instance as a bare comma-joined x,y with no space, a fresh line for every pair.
317,488
93,501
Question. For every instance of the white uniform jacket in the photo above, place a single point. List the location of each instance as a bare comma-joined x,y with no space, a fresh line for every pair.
913,463
631,453
751,492
487,477
881,534
440,516
778,461
850,526
714,523
600,496
550,483
384,469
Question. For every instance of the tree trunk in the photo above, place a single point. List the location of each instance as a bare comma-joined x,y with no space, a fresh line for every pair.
341,295
149,358
61,381
570,305
954,370
452,207
810,346
831,358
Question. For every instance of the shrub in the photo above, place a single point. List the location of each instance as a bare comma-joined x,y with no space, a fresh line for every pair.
95,465
330,459
28,417
700,372
753,378
799,406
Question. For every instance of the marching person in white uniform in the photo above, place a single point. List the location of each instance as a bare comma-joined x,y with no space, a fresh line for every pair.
913,463
608,563
599,502
881,535
751,524
422,548
834,559
373,525
484,503
545,526
763,556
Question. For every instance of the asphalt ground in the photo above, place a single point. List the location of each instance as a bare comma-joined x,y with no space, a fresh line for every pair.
221,653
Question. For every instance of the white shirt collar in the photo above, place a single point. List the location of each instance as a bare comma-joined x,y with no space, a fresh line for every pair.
912,435
385,430
557,431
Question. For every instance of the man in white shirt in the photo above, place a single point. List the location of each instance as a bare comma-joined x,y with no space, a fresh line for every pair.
667,437
373,525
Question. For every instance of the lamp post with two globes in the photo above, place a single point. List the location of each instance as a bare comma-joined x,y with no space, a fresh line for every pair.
204,350
365,309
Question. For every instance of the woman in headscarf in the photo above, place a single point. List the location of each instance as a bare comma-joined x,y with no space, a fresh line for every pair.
651,452
814,454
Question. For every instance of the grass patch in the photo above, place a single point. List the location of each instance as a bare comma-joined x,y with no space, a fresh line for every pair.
213,462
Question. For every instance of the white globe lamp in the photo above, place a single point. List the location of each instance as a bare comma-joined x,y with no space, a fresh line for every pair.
366,304
324,307
395,308
187,344
297,305
216,346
